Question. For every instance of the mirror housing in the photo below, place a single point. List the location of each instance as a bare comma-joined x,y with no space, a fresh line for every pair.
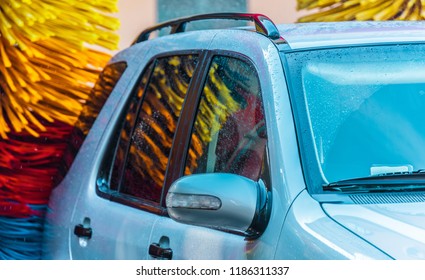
221,201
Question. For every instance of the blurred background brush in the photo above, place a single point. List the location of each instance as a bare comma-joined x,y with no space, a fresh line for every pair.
51,52
345,10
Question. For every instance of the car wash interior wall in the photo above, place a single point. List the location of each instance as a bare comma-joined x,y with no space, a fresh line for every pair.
136,15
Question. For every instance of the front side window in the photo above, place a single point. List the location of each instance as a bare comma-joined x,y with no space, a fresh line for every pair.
153,132
229,133
365,109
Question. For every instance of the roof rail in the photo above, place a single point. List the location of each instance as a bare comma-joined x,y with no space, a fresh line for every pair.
263,24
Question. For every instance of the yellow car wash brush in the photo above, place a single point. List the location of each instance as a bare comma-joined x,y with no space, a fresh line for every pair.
46,59
345,10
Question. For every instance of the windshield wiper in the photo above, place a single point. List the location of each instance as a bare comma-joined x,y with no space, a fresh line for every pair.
393,181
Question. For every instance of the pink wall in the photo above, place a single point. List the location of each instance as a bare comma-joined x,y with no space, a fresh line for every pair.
135,15
280,11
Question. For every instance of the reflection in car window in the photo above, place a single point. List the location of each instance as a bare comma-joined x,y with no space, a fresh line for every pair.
153,133
128,123
106,82
229,133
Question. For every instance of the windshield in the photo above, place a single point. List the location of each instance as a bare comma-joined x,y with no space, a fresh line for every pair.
361,110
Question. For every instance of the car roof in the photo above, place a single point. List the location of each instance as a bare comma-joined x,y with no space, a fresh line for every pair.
326,34
295,36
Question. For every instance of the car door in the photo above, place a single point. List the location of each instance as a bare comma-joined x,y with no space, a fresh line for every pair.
227,135
115,219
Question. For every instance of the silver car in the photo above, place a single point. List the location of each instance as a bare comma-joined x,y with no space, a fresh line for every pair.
296,141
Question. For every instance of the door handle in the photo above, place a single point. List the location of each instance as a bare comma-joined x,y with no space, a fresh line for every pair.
82,231
157,252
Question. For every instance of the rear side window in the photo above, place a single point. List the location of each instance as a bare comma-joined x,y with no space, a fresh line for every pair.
139,172
126,130
100,92
229,133
106,82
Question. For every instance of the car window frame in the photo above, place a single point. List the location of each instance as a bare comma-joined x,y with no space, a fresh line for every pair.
108,160
181,142
193,103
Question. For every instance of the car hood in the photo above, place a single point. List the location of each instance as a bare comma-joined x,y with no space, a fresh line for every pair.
398,229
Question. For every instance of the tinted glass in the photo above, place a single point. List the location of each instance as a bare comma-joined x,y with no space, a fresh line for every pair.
99,94
128,123
153,133
229,133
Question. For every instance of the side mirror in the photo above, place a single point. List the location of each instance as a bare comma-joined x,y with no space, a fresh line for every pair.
222,201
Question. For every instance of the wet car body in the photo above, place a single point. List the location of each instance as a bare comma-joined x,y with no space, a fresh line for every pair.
290,202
